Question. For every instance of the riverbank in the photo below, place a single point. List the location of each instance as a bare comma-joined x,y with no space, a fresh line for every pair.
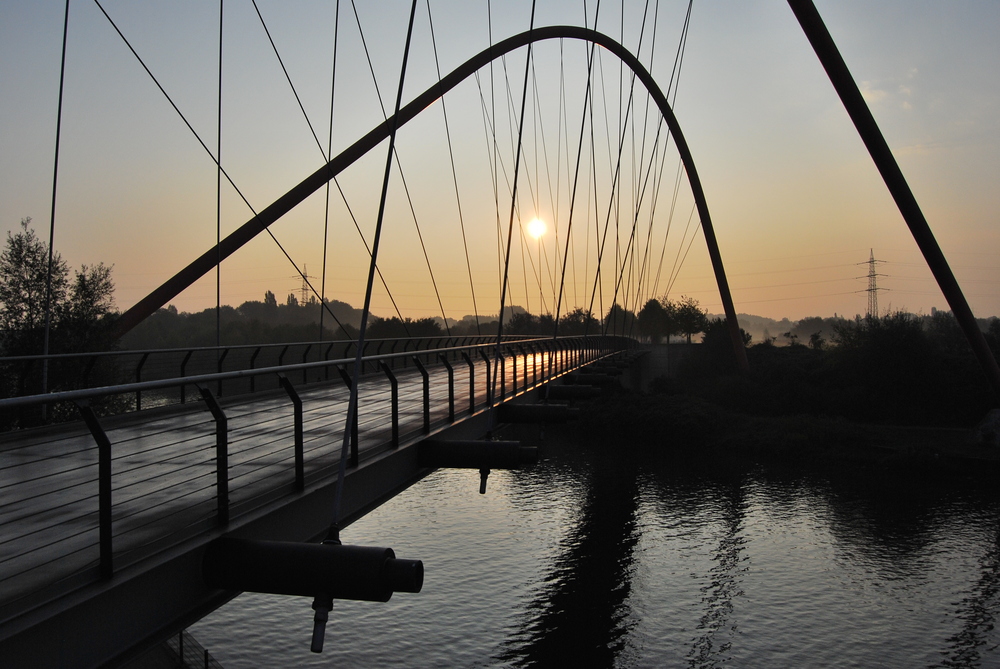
682,426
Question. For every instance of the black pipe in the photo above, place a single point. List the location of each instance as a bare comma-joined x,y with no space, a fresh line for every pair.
288,568
475,454
536,413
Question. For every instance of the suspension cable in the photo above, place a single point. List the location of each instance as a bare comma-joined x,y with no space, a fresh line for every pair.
218,201
576,175
352,405
289,78
329,151
510,225
204,146
454,172
675,74
402,176
343,196
52,212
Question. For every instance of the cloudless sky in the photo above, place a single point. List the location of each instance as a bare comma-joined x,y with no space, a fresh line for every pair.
795,199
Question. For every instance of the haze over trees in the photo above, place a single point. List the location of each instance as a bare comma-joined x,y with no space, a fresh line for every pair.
268,321
253,322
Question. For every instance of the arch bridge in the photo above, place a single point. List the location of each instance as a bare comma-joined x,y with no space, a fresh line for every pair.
114,522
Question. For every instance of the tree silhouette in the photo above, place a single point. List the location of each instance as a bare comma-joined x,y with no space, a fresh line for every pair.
81,309
689,317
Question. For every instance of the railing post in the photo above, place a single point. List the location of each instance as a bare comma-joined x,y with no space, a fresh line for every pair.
364,352
91,361
501,369
300,468
103,488
395,401
222,358
221,454
534,362
357,410
138,379
451,386
305,372
427,393
489,385
472,382
253,379
326,357
184,363
513,364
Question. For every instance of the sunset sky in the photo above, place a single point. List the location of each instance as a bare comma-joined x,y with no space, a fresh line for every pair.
796,201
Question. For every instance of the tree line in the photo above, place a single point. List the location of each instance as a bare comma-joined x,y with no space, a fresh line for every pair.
899,368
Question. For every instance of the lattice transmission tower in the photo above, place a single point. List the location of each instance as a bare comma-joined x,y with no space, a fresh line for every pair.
304,292
873,285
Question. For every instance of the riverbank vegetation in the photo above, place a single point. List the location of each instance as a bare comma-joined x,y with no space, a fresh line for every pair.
888,388
896,369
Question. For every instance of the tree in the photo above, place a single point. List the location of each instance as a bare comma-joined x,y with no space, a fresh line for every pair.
717,344
389,328
689,317
80,310
619,321
793,339
579,322
670,324
521,323
84,320
653,321
24,266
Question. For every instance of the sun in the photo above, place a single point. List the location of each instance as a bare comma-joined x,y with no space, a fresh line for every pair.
537,228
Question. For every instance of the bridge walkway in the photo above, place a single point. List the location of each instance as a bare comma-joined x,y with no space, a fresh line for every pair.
164,474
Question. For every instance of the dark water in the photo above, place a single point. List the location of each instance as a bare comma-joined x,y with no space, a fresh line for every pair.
605,557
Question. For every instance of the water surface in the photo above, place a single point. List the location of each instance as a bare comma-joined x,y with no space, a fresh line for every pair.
615,556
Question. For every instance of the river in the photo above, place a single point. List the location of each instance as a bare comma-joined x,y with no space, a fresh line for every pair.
608,555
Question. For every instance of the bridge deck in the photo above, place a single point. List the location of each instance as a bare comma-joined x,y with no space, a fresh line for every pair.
164,470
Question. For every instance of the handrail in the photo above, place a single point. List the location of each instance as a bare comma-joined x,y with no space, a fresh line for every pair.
196,349
88,393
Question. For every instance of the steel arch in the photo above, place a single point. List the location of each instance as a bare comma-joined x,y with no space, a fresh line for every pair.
234,241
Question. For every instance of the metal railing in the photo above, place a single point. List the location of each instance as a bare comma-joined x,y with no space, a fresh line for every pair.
22,375
82,499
